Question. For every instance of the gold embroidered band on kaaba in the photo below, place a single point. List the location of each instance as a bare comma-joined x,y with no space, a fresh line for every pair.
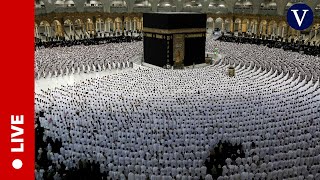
168,37
174,31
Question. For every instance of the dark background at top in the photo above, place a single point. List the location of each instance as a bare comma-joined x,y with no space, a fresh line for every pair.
174,20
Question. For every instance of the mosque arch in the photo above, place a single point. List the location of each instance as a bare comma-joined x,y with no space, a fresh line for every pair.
100,25
57,30
253,28
78,23
263,27
282,29
272,28
44,29
127,23
135,23
109,25
89,27
237,25
314,32
245,25
68,28
79,28
210,24
118,24
228,25
219,23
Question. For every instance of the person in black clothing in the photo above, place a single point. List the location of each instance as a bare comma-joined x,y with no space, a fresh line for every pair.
87,42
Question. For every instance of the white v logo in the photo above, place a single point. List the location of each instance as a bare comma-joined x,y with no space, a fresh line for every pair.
299,21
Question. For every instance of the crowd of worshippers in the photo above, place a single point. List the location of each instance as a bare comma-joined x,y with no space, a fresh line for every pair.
265,57
298,46
59,61
162,124
45,169
223,152
87,42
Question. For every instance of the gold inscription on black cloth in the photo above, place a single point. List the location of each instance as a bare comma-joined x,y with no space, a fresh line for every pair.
147,35
159,36
194,35
168,48
174,31
178,49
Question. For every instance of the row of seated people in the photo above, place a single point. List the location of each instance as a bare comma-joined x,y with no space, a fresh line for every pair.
163,124
59,61
81,68
87,42
287,45
264,58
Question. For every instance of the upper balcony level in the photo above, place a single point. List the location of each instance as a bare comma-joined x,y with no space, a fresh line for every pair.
264,7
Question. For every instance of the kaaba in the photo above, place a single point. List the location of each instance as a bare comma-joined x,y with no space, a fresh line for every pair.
175,39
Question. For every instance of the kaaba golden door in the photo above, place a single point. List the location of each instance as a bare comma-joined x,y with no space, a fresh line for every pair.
178,49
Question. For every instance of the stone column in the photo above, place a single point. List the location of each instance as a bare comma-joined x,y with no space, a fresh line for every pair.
248,26
130,25
36,31
61,28
141,23
79,5
49,32
281,5
106,5
50,7
256,6
231,26
230,5
130,5
154,5
87,27
222,27
179,5
205,5
258,28
46,30
310,32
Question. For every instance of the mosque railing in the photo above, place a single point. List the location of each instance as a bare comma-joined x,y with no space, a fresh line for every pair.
93,9
142,9
118,9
